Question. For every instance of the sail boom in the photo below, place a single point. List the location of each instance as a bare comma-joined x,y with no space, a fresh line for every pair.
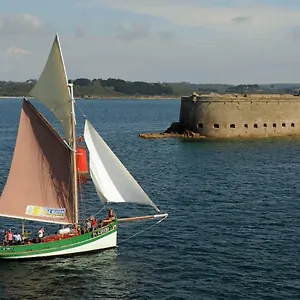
35,219
165,215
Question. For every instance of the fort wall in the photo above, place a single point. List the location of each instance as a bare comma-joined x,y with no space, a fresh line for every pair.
241,116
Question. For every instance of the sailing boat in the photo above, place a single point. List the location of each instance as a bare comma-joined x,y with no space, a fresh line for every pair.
42,182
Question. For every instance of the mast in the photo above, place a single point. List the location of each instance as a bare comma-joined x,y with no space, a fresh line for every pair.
23,227
75,187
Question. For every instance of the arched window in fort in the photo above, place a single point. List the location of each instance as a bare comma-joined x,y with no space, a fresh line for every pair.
255,126
265,125
283,124
216,126
200,125
274,125
232,125
293,124
246,125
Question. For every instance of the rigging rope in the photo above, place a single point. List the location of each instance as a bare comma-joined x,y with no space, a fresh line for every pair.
94,214
122,241
82,200
101,209
84,115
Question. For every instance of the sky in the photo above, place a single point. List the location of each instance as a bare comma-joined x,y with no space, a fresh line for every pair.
199,41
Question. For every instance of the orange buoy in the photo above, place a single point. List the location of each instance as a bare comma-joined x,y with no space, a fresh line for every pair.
81,160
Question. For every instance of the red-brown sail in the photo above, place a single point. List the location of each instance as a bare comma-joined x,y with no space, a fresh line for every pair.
39,184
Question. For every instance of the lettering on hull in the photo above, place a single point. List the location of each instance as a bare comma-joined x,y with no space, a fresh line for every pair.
100,232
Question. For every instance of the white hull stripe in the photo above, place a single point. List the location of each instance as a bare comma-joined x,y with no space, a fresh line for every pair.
106,242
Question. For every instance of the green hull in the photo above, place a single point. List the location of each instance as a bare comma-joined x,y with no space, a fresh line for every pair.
100,239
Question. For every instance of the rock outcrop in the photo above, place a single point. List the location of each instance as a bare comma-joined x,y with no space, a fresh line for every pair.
174,131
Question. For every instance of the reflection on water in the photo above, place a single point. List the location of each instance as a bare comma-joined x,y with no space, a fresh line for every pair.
98,275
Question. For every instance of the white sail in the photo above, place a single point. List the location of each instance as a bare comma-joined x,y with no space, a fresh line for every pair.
52,89
112,180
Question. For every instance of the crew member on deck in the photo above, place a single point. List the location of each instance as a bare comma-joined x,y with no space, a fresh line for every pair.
93,222
17,238
25,236
41,234
5,239
111,214
88,225
10,237
110,217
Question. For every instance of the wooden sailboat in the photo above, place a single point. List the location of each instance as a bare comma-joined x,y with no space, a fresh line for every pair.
42,182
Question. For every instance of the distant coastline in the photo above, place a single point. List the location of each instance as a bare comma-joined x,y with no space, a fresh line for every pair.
159,97
113,88
144,97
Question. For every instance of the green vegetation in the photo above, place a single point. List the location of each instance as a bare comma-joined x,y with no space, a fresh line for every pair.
264,89
18,89
86,88
186,88
118,88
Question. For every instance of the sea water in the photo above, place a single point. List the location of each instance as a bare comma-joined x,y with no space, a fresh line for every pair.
233,228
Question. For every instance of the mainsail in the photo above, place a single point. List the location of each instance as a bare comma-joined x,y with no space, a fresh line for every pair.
51,89
112,180
39,185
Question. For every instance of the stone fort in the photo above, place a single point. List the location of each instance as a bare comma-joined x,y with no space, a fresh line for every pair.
230,116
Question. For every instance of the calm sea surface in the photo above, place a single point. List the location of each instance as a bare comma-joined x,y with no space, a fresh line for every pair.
234,214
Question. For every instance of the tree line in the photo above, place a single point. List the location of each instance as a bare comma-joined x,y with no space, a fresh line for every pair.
112,87
84,87
136,88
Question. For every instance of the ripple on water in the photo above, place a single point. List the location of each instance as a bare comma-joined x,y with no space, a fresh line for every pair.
233,228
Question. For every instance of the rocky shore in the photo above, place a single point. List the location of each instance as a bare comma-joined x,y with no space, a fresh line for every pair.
174,131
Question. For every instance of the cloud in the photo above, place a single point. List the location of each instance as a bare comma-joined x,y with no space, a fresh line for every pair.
296,33
207,61
173,40
166,35
134,31
217,15
22,24
18,51
241,19
80,32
